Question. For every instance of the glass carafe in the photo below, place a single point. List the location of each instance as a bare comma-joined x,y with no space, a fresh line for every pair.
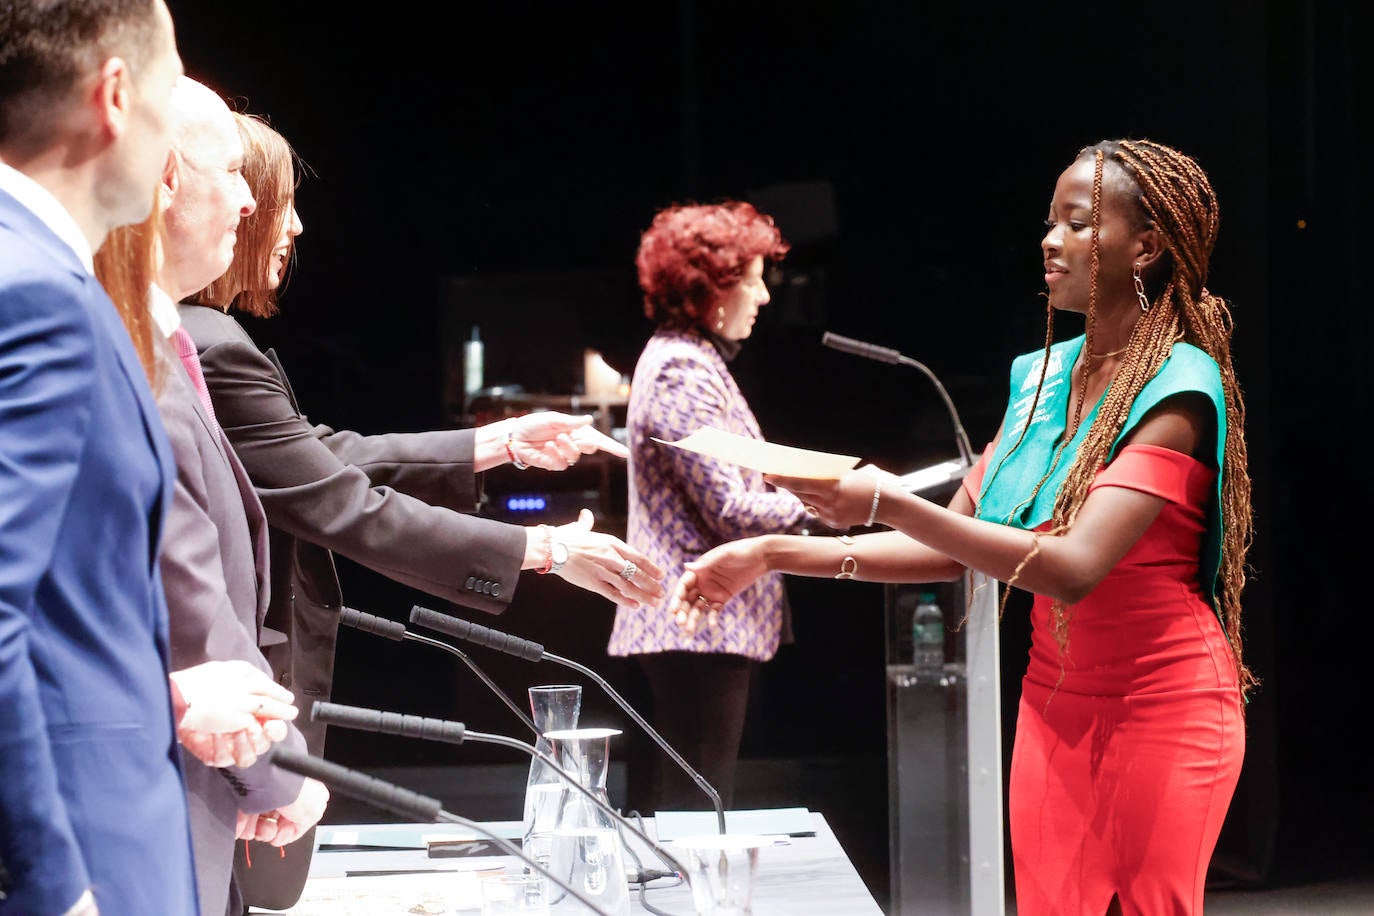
553,707
587,850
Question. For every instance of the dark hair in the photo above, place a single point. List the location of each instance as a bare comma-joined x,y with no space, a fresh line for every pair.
270,168
48,46
692,253
1173,196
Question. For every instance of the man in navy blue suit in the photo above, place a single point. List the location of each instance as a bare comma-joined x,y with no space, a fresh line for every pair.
92,806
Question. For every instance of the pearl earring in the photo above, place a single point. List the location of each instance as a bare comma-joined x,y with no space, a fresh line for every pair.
720,318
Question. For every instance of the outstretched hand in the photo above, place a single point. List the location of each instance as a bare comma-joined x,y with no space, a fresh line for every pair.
844,502
229,712
712,579
606,565
554,441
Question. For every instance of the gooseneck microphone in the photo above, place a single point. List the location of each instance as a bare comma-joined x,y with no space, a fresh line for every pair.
408,804
886,355
534,652
391,629
390,723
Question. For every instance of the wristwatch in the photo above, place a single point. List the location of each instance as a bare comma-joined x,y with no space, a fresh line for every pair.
558,554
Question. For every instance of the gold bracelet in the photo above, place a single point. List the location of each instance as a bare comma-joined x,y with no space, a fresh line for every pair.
848,567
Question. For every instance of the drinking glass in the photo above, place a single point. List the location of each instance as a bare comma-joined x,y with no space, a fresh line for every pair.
720,869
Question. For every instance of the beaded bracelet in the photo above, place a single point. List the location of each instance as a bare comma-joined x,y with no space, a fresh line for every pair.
510,453
877,494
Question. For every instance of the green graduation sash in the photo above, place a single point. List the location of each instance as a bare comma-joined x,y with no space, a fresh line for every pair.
1009,481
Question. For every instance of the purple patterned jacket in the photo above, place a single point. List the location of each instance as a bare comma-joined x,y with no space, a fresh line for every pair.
682,504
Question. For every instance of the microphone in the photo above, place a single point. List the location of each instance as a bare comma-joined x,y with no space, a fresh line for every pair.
534,652
391,629
404,802
886,355
390,723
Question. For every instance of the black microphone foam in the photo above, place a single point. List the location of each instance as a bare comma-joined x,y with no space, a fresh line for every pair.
888,355
371,623
393,629
860,348
408,804
358,785
483,636
388,723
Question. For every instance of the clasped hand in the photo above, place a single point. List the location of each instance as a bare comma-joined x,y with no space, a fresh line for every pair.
289,822
229,712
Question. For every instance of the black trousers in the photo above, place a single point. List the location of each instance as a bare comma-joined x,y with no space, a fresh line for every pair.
699,705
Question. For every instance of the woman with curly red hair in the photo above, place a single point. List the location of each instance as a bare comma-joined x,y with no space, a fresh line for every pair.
701,269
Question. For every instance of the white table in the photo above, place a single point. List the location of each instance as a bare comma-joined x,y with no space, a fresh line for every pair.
800,876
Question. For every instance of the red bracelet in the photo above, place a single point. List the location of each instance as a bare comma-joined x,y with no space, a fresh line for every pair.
548,548
510,453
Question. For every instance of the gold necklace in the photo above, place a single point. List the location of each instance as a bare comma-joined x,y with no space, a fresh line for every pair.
1112,353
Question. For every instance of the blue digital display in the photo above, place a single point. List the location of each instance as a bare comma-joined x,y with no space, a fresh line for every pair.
526,503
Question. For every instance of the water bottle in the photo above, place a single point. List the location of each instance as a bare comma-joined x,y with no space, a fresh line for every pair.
928,640
472,364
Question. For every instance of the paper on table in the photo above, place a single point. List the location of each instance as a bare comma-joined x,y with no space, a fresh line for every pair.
767,457
671,825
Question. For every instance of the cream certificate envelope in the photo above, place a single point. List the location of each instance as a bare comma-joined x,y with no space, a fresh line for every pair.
766,457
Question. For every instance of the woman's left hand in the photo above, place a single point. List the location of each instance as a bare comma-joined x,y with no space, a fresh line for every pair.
714,578
843,502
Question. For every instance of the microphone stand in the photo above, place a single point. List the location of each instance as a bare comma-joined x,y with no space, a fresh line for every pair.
887,355
380,626
409,804
390,723
533,651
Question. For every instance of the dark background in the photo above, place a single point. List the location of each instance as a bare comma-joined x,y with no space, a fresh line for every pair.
494,163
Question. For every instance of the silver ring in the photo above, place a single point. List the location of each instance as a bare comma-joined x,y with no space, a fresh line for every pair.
629,571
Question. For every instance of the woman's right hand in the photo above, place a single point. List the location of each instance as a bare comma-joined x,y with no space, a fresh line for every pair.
714,578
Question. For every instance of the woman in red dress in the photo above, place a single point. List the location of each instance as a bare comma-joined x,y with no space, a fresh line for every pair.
1116,491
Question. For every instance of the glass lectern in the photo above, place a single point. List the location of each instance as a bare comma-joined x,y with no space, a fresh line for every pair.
945,746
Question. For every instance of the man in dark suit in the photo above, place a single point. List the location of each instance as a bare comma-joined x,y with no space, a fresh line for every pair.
92,806
215,555
399,504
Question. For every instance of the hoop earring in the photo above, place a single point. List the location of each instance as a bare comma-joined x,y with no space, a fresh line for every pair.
720,318
1140,288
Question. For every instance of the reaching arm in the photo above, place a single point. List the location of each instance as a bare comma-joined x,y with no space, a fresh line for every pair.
308,491
1065,566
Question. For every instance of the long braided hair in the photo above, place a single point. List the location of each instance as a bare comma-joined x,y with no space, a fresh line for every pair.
1172,193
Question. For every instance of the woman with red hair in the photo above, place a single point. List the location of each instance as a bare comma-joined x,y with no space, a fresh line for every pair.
701,269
